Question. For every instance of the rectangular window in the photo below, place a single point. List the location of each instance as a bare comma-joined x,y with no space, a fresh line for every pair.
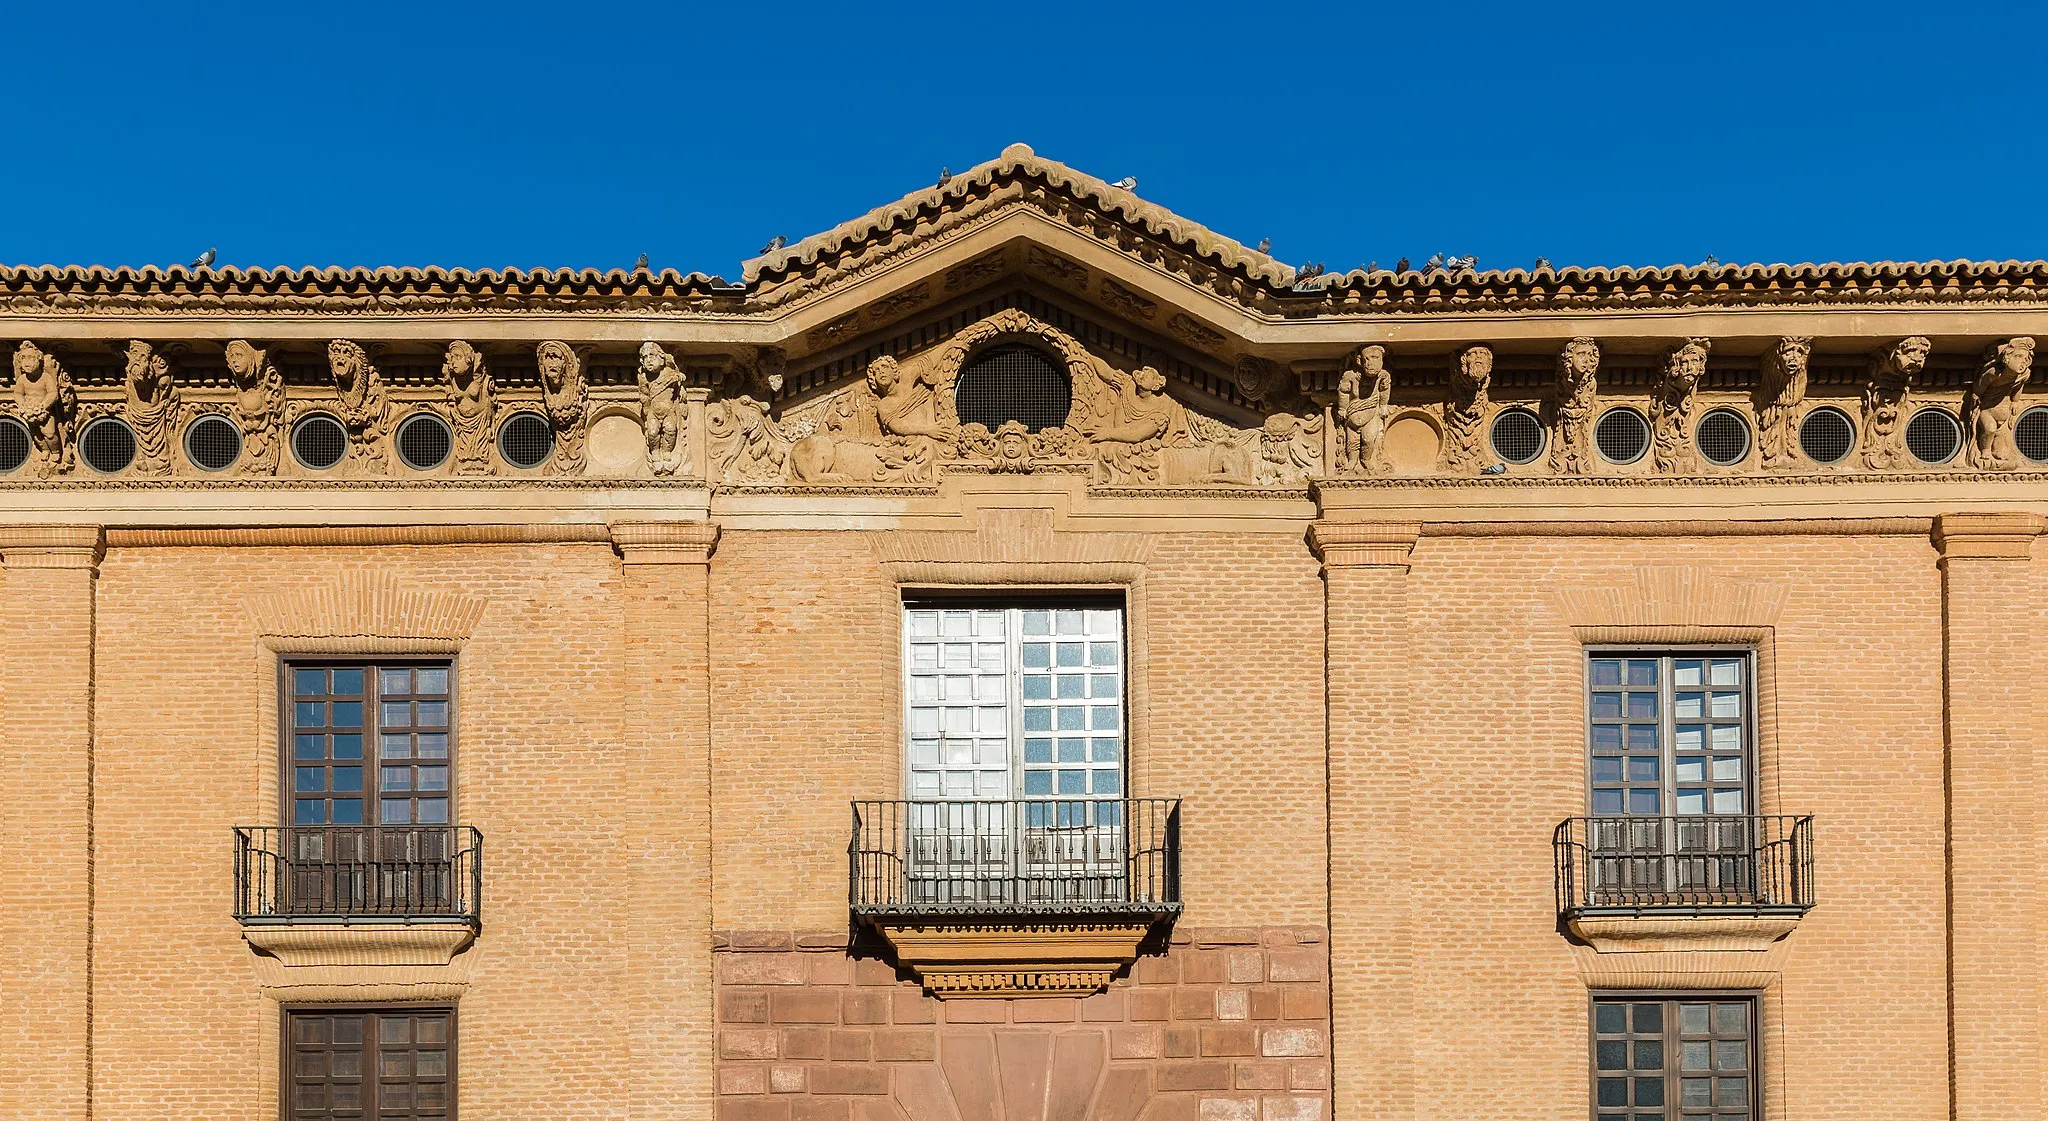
1669,734
1688,1059
386,1064
370,743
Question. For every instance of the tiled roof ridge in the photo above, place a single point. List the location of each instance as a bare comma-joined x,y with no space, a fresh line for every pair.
129,279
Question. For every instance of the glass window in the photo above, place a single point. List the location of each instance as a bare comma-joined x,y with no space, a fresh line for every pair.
408,708
394,1064
1668,734
1686,1059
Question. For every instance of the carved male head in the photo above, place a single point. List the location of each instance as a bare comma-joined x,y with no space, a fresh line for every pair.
28,362
1580,360
245,362
653,359
883,373
2017,357
346,359
1689,363
462,364
1476,363
1149,379
554,358
1910,355
1013,443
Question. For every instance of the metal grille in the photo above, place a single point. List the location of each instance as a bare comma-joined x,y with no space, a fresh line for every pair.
2030,433
107,446
526,440
1933,436
1622,436
424,441
1827,435
340,874
1013,383
1060,856
1704,863
1723,437
14,444
1517,436
213,443
319,441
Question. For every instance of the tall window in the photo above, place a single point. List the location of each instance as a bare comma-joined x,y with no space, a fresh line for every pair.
1015,701
403,710
1689,1059
388,1064
1669,734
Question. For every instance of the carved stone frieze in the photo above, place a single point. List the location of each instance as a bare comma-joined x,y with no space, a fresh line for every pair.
1885,396
1365,391
993,958
1193,333
1465,410
1123,301
1578,391
1049,264
1671,409
259,406
151,408
984,268
566,397
747,446
911,298
890,429
46,402
661,408
364,406
1781,390
1993,403
472,405
832,334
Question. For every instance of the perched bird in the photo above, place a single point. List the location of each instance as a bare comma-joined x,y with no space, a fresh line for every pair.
1494,469
205,259
774,243
1713,260
1468,261
1265,245
1401,265
945,176
641,264
1436,261
1127,183
1308,271
1372,266
1542,262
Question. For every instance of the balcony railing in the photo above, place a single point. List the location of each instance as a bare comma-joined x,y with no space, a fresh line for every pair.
358,874
1019,856
1707,864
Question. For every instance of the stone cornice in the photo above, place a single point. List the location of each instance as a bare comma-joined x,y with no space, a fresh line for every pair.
51,546
664,542
2000,536
1364,544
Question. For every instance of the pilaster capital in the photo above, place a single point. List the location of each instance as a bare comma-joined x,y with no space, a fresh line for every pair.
2002,536
51,546
1363,544
664,542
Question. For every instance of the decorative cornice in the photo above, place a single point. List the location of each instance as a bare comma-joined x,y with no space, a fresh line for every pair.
1999,536
664,542
1680,952
51,546
327,536
1364,544
1012,547
338,964
360,608
1674,595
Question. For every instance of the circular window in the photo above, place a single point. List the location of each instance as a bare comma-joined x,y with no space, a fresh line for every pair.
1013,383
2030,433
107,445
1933,436
1827,435
319,441
213,443
14,445
1517,436
1622,435
424,441
1722,437
526,440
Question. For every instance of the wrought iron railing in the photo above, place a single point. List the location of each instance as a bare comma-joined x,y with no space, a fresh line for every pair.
1704,863
358,874
1038,856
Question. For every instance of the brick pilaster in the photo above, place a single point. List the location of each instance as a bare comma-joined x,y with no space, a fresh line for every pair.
1371,777
46,704
664,571
1993,732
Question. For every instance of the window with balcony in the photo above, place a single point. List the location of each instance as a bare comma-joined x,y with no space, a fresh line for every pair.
1687,1059
393,1063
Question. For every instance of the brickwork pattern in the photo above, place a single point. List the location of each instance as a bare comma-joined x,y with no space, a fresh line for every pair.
1229,1024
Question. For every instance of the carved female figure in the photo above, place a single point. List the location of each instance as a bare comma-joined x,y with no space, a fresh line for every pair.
661,408
1364,391
1465,408
564,393
1884,401
259,405
1578,392
1671,410
471,406
48,405
1993,403
152,408
1781,390
363,404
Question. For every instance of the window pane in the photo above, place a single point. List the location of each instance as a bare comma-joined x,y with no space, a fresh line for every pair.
394,682
1605,671
347,714
348,683
348,747
347,811
431,681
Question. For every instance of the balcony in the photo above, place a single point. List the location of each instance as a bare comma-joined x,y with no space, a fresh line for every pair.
306,875
1015,897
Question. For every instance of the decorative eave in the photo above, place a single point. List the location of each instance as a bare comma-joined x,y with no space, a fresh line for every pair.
1008,952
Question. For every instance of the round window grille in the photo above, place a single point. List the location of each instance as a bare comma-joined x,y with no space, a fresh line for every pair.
526,440
1622,435
424,441
319,441
14,445
213,443
2030,433
1013,383
1827,435
1517,436
1722,437
107,445
1933,436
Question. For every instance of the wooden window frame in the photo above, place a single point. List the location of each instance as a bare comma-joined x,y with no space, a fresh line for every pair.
1673,1108
1752,720
286,1048
372,754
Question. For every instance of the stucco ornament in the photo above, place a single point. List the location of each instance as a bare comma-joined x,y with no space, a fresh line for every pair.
747,446
1672,408
472,403
1011,448
566,397
1781,389
1142,435
1993,403
1365,393
48,405
1257,378
1465,409
1287,450
890,429
1578,393
152,408
363,405
259,406
661,408
1884,401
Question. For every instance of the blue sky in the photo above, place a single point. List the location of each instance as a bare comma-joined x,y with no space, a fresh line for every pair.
586,134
